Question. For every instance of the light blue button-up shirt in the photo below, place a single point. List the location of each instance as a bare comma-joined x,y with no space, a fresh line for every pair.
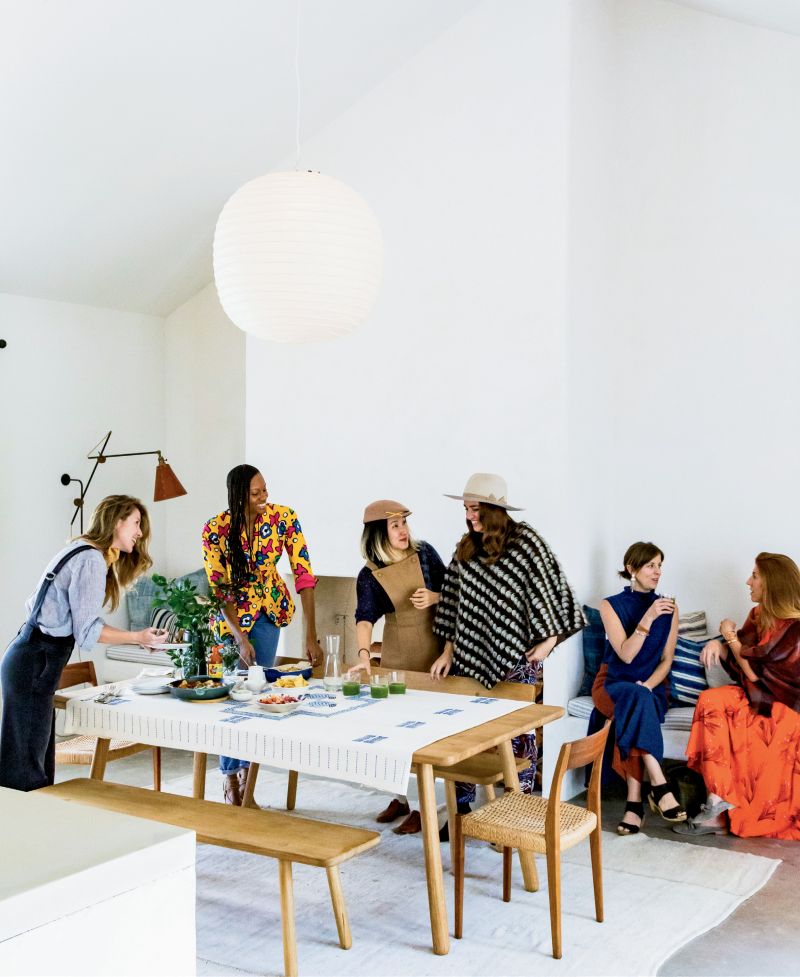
75,598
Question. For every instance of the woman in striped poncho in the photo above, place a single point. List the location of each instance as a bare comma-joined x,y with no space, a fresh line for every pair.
505,605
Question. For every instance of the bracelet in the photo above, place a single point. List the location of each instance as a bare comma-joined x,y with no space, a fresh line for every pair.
365,649
642,631
733,637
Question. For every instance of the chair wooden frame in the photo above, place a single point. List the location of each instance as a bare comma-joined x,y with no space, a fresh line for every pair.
515,821
81,749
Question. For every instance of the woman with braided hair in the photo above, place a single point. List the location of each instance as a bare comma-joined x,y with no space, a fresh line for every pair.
241,550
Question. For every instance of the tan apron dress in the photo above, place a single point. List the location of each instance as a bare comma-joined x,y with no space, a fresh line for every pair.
408,638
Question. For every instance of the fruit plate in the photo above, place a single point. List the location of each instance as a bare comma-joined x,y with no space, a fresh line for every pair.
286,703
273,674
202,693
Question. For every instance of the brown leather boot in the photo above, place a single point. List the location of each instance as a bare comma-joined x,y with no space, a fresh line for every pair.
411,826
230,789
395,810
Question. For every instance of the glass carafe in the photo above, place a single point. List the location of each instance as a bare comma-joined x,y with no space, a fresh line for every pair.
334,664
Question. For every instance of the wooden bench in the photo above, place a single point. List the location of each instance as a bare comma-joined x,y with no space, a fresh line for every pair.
271,833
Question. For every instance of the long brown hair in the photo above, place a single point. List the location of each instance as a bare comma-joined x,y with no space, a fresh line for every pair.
498,531
129,566
780,600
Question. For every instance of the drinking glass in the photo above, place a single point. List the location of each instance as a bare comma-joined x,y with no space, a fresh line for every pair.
397,683
378,686
351,686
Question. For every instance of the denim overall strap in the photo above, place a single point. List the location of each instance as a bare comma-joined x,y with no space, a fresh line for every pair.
49,577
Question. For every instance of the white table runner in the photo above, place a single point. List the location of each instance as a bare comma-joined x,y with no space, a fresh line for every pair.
364,740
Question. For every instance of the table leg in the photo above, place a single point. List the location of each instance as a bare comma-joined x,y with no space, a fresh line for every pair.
250,786
199,780
433,859
511,780
99,759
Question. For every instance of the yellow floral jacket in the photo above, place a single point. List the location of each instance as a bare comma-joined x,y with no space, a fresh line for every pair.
266,592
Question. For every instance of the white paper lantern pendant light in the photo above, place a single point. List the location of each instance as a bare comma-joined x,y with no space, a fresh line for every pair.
298,257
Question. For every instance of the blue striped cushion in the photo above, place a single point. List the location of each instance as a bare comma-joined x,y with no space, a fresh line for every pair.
594,643
687,677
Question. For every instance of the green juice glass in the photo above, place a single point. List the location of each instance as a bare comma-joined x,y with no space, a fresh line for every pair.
351,687
397,683
378,687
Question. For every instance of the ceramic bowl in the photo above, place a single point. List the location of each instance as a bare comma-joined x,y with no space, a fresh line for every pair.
278,707
273,674
204,694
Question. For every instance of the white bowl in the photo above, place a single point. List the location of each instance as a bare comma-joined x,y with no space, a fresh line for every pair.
279,707
241,695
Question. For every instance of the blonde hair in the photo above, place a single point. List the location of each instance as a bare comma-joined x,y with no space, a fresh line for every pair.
780,600
375,545
129,566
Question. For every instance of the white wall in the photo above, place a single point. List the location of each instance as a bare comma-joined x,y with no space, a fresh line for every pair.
204,422
462,155
70,374
684,235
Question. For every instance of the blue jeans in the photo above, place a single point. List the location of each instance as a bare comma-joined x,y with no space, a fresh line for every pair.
263,637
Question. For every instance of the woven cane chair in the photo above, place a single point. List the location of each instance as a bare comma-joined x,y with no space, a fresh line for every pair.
80,749
543,825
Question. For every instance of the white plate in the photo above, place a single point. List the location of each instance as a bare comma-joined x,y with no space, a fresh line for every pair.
151,689
168,647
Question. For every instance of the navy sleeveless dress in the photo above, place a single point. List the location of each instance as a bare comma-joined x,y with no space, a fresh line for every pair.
638,711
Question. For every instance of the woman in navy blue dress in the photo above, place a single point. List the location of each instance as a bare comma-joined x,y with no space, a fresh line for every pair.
632,683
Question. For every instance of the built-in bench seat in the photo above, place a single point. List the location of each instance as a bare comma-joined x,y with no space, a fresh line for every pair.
675,728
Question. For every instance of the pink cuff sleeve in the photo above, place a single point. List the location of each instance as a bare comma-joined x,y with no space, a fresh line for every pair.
304,582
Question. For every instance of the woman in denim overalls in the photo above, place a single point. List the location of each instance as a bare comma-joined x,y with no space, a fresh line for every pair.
64,611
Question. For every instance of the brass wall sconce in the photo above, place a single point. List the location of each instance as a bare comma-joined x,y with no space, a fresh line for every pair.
167,485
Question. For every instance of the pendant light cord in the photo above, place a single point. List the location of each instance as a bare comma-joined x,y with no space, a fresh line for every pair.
297,85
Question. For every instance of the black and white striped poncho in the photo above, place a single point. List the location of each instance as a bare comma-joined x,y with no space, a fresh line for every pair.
494,613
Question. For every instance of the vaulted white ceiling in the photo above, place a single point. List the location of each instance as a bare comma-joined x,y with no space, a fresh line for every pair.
126,124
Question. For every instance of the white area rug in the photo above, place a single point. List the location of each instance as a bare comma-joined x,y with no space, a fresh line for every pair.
658,896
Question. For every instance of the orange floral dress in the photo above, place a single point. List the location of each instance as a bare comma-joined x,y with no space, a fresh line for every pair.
745,741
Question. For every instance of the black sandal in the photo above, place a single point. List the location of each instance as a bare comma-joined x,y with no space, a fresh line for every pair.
674,814
637,808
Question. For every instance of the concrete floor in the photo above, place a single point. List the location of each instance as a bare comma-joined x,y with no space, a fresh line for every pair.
761,938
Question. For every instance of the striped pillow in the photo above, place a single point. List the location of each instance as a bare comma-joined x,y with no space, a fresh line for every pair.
687,677
594,644
164,618
692,625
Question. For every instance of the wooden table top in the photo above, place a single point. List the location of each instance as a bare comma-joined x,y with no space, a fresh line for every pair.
453,749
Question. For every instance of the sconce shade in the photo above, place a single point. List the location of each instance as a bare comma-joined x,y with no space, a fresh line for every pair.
298,257
167,484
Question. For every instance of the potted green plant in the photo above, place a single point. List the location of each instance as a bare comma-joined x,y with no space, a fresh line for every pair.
195,616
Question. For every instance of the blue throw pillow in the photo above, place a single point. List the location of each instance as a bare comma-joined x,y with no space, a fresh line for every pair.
687,677
594,644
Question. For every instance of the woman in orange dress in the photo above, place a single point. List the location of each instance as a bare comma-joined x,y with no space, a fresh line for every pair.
745,739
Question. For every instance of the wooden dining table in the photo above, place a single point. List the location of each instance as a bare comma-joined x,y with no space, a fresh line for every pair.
495,733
